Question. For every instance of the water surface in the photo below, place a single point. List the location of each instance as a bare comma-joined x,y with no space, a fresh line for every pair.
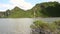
15,26
19,25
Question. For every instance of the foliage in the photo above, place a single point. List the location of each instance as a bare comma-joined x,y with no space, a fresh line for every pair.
19,13
45,27
57,23
51,9
7,13
45,9
40,24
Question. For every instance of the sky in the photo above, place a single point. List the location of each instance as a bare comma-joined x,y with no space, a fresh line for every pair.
23,4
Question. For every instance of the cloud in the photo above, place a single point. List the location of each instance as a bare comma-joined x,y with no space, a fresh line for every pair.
12,3
20,3
4,7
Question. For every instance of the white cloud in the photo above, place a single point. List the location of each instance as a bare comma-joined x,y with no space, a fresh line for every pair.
20,3
5,7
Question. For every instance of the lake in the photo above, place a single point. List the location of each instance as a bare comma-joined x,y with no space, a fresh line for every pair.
19,25
15,26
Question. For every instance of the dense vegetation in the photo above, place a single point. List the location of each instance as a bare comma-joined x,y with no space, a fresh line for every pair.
46,9
40,27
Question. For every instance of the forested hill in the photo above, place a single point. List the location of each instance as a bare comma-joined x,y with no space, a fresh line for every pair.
45,9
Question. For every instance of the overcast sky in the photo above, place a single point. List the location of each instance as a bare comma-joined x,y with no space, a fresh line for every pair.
23,4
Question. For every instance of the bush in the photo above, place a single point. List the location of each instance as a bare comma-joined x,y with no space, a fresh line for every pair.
43,27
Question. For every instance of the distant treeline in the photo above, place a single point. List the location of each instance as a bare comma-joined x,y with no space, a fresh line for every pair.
45,9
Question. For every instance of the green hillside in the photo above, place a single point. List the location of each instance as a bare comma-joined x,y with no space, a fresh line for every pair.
45,9
19,13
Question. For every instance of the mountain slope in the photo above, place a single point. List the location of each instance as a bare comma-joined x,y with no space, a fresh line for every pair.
19,13
47,9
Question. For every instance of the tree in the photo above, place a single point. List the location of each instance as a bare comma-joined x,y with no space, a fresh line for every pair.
52,9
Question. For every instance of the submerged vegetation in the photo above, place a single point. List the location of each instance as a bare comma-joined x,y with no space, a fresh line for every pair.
40,27
45,9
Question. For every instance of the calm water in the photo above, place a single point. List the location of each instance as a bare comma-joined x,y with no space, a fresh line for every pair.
15,26
19,26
